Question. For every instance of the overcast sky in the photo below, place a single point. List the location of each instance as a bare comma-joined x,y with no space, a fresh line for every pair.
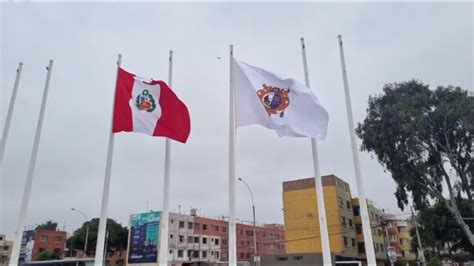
383,43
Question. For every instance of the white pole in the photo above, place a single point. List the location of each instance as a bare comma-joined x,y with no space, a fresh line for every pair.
163,255
6,129
99,250
31,169
323,226
364,214
232,229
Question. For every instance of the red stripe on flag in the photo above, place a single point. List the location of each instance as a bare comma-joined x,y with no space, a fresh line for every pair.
122,120
174,122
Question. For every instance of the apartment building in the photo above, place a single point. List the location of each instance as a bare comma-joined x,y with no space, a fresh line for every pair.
399,237
5,250
194,238
377,230
301,217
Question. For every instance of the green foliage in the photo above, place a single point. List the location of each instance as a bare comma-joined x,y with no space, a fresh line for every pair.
47,255
49,225
425,140
117,238
435,261
438,228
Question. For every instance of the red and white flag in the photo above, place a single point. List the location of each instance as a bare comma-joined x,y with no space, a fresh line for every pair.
150,107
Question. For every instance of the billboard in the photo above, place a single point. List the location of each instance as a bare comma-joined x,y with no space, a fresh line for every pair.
144,237
27,244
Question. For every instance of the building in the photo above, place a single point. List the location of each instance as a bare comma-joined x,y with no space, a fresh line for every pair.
302,222
377,230
5,250
193,238
399,236
49,240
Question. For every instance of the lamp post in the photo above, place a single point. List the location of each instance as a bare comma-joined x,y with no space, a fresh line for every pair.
87,230
254,224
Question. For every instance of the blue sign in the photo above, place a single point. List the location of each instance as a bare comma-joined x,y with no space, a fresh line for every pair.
144,237
27,244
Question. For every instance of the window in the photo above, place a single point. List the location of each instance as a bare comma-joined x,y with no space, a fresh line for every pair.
44,239
171,236
348,205
282,258
181,224
361,248
204,240
224,229
196,226
358,229
204,254
224,255
241,255
350,222
172,221
204,227
224,242
341,202
190,225
181,239
343,221
216,228
217,254
195,254
248,255
190,239
345,242
356,210
353,242
196,239
241,232
171,251
216,241
59,238
298,258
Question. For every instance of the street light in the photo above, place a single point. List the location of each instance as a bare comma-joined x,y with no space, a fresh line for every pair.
254,224
87,230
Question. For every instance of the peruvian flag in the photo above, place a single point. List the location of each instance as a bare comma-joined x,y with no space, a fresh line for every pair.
149,106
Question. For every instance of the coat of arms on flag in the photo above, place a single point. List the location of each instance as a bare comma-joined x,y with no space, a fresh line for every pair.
145,101
274,99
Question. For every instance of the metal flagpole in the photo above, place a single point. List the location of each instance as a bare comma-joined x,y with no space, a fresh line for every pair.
364,214
163,255
99,250
3,142
31,169
323,226
232,229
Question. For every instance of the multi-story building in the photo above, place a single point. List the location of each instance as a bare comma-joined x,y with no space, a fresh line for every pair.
377,230
193,238
49,240
399,236
301,217
5,250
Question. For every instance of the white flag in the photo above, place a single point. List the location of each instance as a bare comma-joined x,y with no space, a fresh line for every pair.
285,105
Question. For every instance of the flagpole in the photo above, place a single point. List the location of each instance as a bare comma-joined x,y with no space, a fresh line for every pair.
99,250
31,169
369,244
232,228
323,226
163,255
6,129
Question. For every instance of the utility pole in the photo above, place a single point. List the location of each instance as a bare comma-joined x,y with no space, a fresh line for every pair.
421,255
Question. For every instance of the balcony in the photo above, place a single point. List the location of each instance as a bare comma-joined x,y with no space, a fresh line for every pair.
392,231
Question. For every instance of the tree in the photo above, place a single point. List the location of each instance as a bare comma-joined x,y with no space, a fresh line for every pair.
438,229
47,254
424,138
117,239
49,225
